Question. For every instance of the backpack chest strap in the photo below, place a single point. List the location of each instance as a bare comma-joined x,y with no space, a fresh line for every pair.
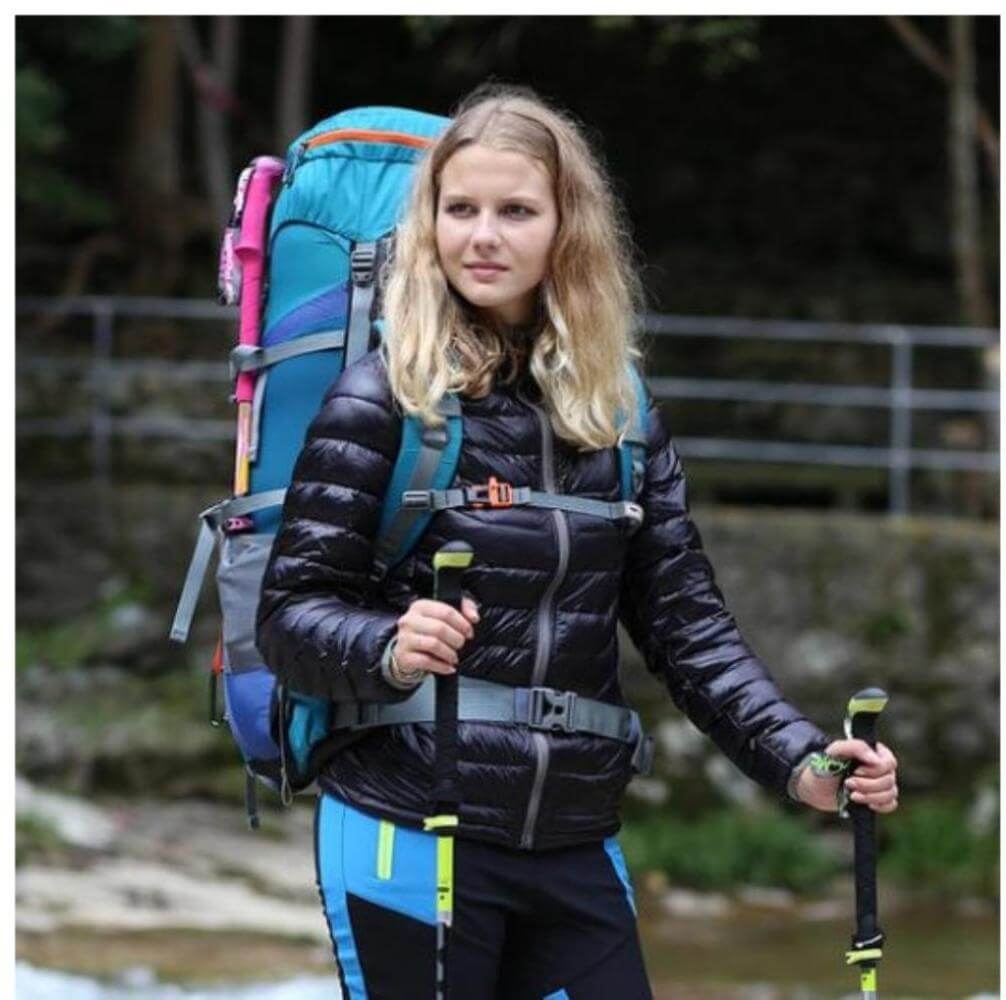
497,494
535,707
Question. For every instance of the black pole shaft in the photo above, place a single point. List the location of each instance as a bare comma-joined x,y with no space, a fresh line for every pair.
449,564
446,790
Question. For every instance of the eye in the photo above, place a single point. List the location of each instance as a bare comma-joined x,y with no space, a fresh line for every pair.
458,208
518,211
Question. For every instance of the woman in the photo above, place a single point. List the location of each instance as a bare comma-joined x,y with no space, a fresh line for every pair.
513,286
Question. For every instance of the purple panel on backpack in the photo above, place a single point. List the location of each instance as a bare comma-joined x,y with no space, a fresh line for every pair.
323,312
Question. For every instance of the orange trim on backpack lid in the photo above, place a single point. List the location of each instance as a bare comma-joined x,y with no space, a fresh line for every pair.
369,135
217,666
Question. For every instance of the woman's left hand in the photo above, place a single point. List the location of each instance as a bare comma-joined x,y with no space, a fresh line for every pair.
874,784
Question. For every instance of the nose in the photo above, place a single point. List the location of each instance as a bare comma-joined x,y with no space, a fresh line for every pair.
485,234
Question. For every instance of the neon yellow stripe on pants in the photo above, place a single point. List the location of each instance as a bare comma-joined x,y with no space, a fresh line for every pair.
385,848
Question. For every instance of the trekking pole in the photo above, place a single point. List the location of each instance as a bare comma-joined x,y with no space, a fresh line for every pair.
868,939
449,564
250,250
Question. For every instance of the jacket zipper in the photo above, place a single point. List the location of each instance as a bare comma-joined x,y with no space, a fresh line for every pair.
368,135
544,646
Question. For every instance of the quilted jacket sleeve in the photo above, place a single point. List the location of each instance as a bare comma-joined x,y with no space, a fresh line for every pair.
317,627
675,613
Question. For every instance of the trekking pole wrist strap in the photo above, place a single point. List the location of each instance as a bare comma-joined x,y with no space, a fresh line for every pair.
821,765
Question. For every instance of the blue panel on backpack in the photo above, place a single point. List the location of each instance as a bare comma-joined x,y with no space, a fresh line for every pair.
248,698
305,262
293,394
625,451
309,724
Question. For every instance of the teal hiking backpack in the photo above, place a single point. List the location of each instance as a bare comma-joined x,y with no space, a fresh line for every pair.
325,231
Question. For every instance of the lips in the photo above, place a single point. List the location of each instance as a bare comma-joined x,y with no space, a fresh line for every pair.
485,274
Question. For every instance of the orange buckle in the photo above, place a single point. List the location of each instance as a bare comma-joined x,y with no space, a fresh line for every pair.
494,494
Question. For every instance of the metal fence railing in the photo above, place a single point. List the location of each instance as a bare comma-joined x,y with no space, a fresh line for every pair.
900,398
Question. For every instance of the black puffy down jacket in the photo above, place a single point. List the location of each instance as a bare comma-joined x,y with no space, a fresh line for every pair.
551,587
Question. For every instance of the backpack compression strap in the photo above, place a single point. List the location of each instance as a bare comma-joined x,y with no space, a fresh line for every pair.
253,358
211,521
364,260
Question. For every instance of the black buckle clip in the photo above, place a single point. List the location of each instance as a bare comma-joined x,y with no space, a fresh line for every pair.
361,264
550,709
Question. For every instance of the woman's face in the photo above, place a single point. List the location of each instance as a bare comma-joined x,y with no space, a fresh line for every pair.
496,221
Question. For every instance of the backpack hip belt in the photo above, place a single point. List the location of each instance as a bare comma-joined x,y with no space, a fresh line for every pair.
540,708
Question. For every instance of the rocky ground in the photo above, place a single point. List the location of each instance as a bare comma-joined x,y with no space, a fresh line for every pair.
146,891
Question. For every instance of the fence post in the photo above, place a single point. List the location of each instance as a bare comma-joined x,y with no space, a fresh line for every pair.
900,468
101,421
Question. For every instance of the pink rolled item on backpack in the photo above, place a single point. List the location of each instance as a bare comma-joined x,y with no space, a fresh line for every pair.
250,251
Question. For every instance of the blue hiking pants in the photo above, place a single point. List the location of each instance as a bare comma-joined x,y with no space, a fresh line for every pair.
528,925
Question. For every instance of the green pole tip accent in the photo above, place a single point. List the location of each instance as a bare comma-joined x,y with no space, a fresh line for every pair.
872,700
453,555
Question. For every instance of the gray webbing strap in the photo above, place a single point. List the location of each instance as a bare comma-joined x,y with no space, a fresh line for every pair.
434,440
485,701
362,263
252,358
210,521
468,496
258,398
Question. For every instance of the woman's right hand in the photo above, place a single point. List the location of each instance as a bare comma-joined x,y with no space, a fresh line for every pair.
431,633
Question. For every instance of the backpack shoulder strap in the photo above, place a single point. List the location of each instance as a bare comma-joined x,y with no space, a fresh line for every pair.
632,448
427,460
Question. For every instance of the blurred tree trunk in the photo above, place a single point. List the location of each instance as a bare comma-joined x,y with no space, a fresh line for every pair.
967,126
925,52
151,181
293,86
965,215
213,82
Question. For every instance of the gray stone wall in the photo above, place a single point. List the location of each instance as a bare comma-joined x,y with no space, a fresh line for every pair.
830,602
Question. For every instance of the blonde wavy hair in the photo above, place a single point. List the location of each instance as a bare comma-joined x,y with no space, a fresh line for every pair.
585,331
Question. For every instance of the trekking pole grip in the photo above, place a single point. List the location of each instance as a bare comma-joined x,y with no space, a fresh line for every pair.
449,564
